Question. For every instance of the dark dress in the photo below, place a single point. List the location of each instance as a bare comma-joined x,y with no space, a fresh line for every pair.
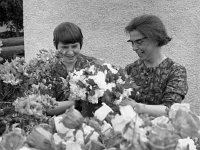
165,84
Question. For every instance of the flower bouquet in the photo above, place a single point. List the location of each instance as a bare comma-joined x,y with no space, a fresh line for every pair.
98,83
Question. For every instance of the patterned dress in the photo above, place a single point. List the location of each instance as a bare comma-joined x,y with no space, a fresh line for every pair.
165,84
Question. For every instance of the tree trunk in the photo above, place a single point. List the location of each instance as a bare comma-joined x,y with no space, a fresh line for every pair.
17,31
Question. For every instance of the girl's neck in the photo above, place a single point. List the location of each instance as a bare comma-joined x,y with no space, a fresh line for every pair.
69,66
155,60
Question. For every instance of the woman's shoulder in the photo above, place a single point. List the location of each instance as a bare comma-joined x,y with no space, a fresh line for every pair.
173,65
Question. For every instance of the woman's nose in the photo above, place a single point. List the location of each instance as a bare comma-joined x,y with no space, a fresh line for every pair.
70,52
134,47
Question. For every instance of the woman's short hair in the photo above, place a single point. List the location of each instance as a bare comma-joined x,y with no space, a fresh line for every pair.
67,33
150,26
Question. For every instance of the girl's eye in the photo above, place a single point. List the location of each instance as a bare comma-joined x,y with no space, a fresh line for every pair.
65,47
74,46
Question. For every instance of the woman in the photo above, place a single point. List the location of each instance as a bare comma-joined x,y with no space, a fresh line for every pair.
160,80
68,39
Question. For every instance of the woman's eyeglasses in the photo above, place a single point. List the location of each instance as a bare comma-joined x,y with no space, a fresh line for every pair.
137,42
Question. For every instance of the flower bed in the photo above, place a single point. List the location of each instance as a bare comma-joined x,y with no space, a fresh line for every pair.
124,131
25,92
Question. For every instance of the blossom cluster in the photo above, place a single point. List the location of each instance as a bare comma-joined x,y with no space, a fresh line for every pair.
13,72
34,105
99,81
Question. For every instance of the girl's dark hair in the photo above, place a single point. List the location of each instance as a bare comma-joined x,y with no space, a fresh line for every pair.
67,33
151,27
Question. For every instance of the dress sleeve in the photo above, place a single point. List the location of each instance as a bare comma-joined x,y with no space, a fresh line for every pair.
177,86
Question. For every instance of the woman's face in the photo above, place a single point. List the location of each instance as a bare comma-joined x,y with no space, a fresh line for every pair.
144,47
70,52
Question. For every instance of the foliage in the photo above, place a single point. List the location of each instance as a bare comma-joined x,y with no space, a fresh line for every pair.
12,14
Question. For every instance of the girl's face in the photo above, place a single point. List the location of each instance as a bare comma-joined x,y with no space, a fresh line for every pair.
143,46
70,51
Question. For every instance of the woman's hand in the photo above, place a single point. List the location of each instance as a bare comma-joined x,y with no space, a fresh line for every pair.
128,101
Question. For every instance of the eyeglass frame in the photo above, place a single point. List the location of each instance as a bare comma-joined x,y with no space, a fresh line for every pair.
137,42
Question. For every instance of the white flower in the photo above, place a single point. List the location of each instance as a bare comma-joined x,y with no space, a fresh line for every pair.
106,128
60,128
113,70
102,112
73,146
77,75
127,123
126,93
88,130
142,134
94,98
77,92
69,137
109,86
120,81
184,144
79,137
99,79
1,43
92,69
57,139
118,123
129,114
175,107
94,136
25,148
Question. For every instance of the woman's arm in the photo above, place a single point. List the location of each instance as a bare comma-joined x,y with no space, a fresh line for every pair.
152,110
61,108
175,91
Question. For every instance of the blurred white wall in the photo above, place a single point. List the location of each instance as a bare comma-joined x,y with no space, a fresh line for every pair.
103,22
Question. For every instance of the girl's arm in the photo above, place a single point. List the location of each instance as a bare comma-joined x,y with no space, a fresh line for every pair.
60,108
